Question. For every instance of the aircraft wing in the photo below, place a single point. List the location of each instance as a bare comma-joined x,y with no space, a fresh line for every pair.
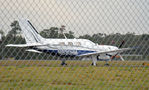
105,52
25,45
32,50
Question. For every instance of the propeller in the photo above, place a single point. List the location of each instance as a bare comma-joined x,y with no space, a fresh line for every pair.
122,43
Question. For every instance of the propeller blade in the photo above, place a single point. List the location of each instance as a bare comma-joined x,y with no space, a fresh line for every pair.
118,47
121,44
114,56
122,58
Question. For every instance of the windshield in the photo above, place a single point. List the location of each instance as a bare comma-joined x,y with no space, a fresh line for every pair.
89,43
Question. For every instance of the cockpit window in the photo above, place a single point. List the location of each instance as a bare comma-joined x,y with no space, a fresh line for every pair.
90,43
70,43
62,43
78,43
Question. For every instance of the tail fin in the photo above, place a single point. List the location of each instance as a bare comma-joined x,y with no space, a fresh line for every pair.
29,32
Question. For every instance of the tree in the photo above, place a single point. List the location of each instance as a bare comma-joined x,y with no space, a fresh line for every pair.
86,37
53,33
15,29
50,33
145,37
2,32
70,34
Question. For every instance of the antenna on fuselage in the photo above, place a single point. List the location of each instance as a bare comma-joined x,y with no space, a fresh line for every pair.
62,31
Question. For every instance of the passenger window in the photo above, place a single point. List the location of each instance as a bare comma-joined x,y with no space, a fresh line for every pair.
62,43
78,43
70,43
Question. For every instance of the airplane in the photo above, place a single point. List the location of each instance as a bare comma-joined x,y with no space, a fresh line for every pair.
83,48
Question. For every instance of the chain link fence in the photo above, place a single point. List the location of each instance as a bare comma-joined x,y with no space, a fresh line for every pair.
122,24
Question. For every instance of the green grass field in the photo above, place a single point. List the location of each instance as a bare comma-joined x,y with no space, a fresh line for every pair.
76,75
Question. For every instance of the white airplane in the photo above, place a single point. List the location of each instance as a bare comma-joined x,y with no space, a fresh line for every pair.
65,47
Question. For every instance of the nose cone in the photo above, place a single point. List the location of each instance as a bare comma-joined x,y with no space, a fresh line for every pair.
115,48
112,48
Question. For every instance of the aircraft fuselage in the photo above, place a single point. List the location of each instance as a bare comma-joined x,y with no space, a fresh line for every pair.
73,47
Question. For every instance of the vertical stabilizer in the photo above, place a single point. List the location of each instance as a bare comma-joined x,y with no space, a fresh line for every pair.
29,32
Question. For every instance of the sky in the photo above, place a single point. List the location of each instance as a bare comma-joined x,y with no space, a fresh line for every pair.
79,16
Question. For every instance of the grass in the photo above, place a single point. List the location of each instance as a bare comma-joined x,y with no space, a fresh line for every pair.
76,75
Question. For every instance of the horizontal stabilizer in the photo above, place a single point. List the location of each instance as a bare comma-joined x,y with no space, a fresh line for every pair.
105,52
32,50
25,45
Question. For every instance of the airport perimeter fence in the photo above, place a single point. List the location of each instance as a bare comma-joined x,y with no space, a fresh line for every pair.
74,28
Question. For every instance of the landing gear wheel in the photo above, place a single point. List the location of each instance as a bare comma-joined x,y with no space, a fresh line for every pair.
93,64
63,63
107,64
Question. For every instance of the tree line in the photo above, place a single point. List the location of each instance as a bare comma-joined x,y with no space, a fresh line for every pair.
139,43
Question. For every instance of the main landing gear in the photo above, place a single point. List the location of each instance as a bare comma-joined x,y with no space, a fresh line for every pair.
94,58
106,64
63,63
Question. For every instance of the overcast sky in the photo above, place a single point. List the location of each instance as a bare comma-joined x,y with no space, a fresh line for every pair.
79,16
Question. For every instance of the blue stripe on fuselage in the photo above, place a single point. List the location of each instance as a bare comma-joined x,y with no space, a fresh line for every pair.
78,52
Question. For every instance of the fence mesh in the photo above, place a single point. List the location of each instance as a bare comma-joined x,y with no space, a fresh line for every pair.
68,37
